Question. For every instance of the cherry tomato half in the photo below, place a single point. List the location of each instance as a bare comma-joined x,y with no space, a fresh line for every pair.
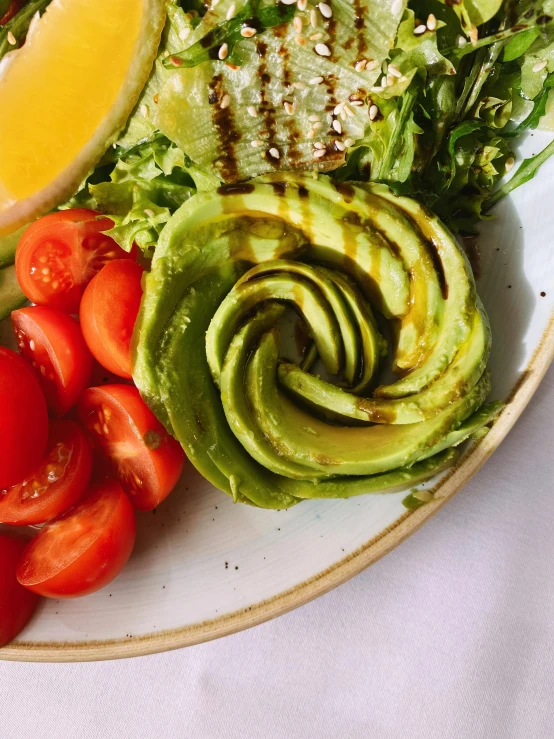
17,604
145,458
13,9
83,550
108,312
56,484
54,345
24,419
59,254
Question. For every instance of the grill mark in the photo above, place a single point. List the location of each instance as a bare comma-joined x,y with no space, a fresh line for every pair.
245,189
279,188
293,135
224,122
265,108
359,24
437,264
346,190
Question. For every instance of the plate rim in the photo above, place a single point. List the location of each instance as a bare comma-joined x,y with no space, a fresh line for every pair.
324,581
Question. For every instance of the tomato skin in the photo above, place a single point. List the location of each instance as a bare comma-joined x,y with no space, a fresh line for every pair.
17,604
53,344
15,7
60,253
108,313
144,457
24,419
69,459
83,550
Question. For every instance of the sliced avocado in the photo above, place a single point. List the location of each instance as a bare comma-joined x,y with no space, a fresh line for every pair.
459,377
206,350
341,450
388,482
8,246
11,297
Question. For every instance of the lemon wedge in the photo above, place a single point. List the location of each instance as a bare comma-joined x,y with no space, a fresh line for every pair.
66,93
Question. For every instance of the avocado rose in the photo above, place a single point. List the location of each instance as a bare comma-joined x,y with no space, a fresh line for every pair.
363,270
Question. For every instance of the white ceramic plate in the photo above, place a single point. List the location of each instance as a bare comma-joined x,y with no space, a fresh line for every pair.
204,567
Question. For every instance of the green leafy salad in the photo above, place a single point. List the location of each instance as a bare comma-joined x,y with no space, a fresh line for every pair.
301,175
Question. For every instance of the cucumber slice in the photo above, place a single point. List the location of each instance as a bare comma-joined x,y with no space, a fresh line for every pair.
11,296
8,245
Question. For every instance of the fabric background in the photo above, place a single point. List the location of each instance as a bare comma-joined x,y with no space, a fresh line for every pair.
449,636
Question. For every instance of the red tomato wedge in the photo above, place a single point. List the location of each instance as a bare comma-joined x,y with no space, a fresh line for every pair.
13,9
53,344
59,254
24,419
56,484
83,550
108,312
145,458
17,604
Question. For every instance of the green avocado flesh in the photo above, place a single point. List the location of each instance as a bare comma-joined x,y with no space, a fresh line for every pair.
372,279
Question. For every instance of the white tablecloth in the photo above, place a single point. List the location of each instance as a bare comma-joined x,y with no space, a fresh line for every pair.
451,636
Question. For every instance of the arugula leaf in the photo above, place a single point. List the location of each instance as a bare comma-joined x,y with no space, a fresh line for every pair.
19,24
527,170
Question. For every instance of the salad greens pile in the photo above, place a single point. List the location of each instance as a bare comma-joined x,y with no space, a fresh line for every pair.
428,97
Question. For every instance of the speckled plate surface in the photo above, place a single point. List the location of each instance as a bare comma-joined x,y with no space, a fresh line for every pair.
204,568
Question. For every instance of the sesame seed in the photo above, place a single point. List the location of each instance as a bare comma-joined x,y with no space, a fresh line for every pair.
339,145
234,67
377,88
223,51
252,111
473,35
419,30
184,34
348,143
144,111
510,161
361,65
372,65
318,153
225,101
342,115
176,61
231,12
317,126
539,66
356,103
274,153
373,112
248,32
431,22
319,145
32,346
337,126
289,107
288,2
348,110
313,18
384,82
394,71
316,81
257,143
461,41
316,36
397,7
322,50
299,85
338,108
302,4
311,133
149,213
300,40
325,10
297,23
11,39
314,117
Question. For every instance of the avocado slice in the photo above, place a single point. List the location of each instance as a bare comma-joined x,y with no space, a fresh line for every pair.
11,296
348,258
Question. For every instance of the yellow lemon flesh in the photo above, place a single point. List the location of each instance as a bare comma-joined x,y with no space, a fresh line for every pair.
65,94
